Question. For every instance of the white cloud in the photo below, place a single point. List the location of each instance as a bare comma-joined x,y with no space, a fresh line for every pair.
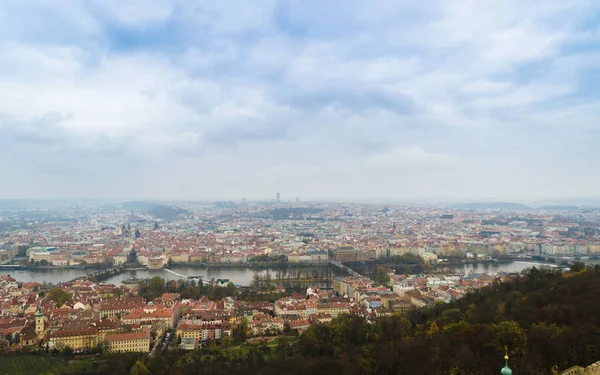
265,91
411,156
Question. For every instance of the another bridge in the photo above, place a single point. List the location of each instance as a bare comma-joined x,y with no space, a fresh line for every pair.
183,276
12,266
342,267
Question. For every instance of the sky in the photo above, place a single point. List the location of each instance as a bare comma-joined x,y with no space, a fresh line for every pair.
386,100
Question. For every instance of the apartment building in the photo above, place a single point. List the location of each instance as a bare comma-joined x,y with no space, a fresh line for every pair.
128,342
77,339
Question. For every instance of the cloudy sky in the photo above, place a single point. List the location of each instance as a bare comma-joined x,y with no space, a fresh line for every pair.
349,99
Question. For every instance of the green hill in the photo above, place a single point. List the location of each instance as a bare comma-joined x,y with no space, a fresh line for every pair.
547,320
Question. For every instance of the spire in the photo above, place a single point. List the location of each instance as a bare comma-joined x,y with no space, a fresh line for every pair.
39,312
506,370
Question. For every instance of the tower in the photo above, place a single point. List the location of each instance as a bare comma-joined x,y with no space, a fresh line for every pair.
278,197
506,370
39,322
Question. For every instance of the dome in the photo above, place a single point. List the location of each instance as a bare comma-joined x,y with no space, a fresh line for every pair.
506,370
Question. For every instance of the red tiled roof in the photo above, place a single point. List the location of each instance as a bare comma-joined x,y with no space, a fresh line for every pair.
75,332
145,334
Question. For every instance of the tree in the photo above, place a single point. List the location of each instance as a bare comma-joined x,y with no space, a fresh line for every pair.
226,341
4,345
156,287
451,315
43,262
382,275
139,369
509,335
577,266
433,329
60,296
244,323
67,351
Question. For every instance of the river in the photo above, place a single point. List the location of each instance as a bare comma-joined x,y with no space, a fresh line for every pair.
237,275
499,267
244,276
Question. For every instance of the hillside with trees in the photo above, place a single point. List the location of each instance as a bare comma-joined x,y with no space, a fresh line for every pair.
547,321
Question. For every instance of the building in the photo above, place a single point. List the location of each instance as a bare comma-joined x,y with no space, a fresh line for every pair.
290,308
155,314
593,369
41,324
39,256
106,327
133,284
28,337
347,253
119,259
334,308
204,331
266,326
320,257
189,343
120,306
156,263
299,324
128,342
77,339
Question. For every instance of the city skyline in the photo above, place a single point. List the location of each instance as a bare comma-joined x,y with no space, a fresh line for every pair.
158,100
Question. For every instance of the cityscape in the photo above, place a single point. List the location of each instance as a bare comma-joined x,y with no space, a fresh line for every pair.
292,187
145,276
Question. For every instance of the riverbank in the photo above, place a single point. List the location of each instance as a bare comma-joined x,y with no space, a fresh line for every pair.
251,265
49,267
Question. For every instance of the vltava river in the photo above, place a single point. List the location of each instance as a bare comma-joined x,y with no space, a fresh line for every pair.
237,275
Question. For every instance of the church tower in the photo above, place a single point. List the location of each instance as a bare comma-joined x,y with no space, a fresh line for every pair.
40,320
506,370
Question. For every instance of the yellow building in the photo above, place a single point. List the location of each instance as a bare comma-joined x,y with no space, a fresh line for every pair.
153,314
156,263
205,331
128,342
334,308
77,339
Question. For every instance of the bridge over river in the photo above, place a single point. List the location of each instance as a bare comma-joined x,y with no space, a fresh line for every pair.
341,266
183,276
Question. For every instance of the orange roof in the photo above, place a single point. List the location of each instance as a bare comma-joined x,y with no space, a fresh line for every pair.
158,313
75,332
145,334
